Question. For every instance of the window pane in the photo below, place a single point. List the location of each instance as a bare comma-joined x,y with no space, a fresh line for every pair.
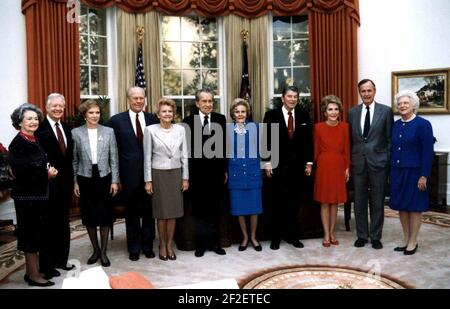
171,55
209,55
281,54
208,29
172,82
179,113
171,28
189,107
84,80
99,81
281,77
300,52
97,22
216,106
300,27
83,19
84,54
190,55
189,29
281,28
302,79
211,80
98,50
191,81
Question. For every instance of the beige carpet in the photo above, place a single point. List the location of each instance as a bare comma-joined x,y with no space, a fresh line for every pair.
428,268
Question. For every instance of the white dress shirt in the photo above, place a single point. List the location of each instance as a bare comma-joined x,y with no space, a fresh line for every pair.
133,120
202,119
364,112
286,116
52,124
93,144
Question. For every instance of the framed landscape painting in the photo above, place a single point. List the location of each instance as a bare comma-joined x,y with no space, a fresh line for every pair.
431,86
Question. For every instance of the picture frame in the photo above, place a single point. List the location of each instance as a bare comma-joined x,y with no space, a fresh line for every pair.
431,86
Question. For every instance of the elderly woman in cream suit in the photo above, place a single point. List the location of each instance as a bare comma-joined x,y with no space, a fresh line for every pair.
166,173
96,172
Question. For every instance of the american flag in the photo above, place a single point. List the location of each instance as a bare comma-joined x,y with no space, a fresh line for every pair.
140,73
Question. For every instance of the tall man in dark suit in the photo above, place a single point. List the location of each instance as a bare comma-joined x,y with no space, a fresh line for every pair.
207,171
56,138
370,129
296,155
128,128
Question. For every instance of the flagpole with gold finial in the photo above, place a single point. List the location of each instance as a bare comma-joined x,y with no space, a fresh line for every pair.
140,33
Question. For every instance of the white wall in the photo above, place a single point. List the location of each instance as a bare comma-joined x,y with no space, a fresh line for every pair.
405,35
13,72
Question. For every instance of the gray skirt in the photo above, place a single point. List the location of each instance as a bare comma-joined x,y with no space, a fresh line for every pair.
167,198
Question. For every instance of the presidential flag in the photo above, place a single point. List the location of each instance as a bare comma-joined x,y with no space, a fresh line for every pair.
140,73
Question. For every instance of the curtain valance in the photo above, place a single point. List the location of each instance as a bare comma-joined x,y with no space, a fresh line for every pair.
243,8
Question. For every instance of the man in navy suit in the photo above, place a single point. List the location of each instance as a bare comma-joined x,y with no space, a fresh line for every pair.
128,128
207,172
286,180
56,138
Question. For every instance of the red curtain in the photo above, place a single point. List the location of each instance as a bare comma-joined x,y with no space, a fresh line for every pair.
52,52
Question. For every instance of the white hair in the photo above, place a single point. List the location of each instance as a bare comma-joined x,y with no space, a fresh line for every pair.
55,95
413,99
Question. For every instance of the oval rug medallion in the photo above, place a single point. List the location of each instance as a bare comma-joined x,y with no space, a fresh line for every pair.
321,277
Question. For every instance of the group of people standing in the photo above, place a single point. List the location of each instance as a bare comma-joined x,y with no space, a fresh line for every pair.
153,161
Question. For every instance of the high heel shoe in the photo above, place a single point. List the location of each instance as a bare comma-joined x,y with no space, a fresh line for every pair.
411,252
93,258
172,257
326,243
104,260
35,283
400,249
163,257
334,242
243,247
257,247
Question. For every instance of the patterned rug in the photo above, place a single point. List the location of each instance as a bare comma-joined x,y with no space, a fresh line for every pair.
321,277
12,259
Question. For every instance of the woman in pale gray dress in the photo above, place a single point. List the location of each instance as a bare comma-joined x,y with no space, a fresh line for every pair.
166,173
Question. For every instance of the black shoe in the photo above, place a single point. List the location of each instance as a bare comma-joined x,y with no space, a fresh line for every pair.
149,254
104,260
172,257
297,244
50,273
257,247
134,257
218,250
242,247
93,258
67,268
199,252
275,244
163,257
411,252
400,249
360,242
34,283
376,244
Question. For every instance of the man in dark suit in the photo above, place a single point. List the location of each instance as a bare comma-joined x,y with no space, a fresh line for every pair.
370,129
56,139
296,155
128,128
207,171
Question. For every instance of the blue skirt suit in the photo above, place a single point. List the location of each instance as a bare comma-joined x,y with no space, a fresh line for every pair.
411,157
244,171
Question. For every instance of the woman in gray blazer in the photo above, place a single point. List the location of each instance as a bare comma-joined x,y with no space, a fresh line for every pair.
166,173
96,172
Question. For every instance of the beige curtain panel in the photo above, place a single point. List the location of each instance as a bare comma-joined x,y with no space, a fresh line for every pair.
258,65
127,46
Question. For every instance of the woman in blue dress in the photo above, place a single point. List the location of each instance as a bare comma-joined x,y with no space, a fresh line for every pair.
411,160
244,172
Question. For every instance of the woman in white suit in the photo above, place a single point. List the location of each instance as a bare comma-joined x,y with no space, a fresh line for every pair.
166,173
96,172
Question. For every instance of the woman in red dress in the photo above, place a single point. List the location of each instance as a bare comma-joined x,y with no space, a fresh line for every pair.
332,157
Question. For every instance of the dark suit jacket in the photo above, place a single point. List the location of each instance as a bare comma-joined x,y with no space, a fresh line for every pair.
295,153
131,154
215,167
376,150
62,184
